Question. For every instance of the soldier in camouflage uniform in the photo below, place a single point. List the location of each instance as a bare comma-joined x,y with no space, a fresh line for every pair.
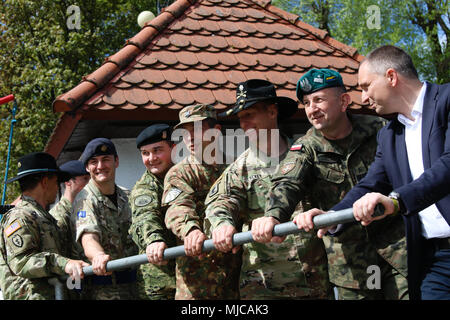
156,280
212,275
103,219
33,247
62,211
321,167
295,268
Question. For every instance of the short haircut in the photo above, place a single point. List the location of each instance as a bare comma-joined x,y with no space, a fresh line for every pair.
388,56
30,182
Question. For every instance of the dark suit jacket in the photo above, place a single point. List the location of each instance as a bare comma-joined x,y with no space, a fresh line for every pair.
390,171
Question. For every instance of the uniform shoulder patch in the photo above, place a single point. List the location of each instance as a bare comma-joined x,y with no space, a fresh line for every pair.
143,200
296,147
17,240
287,167
171,195
13,227
81,214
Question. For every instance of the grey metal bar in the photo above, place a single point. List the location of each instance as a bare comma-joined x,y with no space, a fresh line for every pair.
59,288
282,229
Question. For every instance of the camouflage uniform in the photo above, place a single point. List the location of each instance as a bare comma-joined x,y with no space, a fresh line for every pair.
62,211
322,171
294,269
97,214
215,276
147,226
33,249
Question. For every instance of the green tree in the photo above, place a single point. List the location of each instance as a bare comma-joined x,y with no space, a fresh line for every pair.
421,27
43,54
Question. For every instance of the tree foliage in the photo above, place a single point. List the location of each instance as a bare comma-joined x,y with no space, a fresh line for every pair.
42,55
421,27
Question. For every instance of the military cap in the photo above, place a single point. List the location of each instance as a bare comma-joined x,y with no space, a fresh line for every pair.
98,147
38,162
75,168
255,90
196,112
318,79
154,133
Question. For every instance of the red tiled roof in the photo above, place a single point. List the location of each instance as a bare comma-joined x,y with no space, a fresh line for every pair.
198,51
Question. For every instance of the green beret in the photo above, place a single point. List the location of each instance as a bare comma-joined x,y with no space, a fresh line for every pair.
318,79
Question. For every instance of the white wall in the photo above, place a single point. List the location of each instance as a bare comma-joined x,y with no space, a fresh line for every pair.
130,164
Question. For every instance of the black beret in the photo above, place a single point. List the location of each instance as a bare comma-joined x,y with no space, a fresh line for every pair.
98,147
75,168
154,133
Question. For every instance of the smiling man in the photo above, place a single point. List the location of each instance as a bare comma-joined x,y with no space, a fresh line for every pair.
155,280
103,219
325,164
296,268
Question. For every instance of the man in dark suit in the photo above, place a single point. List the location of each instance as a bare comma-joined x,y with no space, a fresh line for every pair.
411,171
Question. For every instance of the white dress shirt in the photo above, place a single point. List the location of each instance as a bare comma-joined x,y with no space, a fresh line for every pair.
433,223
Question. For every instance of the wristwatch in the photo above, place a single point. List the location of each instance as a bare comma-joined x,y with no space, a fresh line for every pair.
398,203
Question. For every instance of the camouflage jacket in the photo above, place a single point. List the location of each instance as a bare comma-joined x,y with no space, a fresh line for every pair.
32,250
147,223
286,270
97,214
185,188
147,226
320,172
63,212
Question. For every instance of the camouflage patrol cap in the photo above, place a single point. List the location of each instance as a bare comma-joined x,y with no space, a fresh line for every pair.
98,147
196,112
318,79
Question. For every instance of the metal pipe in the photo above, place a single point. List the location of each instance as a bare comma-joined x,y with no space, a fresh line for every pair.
282,229
59,288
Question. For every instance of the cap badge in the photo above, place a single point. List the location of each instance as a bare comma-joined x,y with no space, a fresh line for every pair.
305,85
103,148
318,80
19,165
164,134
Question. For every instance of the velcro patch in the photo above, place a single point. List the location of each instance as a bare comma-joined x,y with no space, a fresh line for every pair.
171,195
142,201
13,227
81,214
17,241
296,147
287,167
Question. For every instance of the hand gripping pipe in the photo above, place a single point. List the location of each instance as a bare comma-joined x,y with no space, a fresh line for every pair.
282,229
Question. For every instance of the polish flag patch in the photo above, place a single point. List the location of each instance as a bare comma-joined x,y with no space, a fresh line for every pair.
296,147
